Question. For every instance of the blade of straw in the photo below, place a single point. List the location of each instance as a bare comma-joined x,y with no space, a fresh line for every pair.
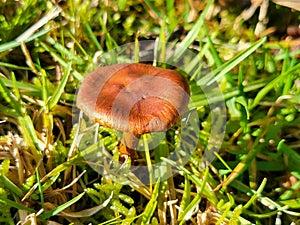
49,16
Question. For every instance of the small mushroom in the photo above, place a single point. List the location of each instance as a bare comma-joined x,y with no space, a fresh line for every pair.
135,99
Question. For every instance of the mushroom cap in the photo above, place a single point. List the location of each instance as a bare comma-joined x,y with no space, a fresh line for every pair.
136,98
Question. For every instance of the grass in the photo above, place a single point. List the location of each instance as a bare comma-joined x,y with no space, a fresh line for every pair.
48,156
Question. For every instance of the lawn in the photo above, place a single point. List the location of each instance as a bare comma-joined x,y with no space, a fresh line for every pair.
232,158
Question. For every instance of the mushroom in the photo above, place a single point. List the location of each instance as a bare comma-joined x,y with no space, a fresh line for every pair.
135,99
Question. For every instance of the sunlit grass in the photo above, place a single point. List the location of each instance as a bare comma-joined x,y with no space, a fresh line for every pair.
46,152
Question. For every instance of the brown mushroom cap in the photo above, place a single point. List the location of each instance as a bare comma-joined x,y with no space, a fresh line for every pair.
135,98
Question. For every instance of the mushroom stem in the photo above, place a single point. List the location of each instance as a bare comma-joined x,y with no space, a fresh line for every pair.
129,144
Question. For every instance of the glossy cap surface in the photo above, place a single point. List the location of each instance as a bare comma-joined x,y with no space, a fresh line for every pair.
136,98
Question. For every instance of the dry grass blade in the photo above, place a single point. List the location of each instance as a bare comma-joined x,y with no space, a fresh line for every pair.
87,212
44,20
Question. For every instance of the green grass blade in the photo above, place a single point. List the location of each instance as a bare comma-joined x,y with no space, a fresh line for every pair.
92,36
33,90
235,217
49,182
193,33
210,195
14,44
88,212
292,203
242,165
62,207
154,9
267,201
40,188
136,49
16,92
196,200
11,186
186,198
77,75
24,120
9,98
63,50
219,73
148,160
60,88
30,136
27,88
171,11
16,205
45,90
12,66
292,156
214,52
8,111
256,194
277,80
161,45
40,23
151,206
